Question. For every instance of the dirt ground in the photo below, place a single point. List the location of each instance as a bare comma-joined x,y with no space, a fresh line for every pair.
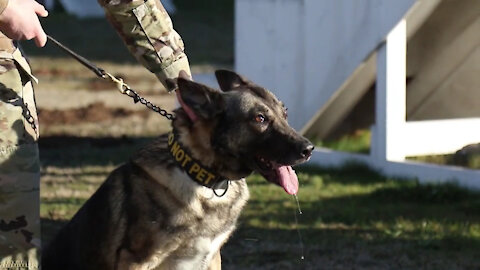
72,101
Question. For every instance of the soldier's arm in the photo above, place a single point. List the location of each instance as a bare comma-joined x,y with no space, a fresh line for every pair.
148,32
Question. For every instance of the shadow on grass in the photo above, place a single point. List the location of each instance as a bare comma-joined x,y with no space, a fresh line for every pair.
340,249
72,151
351,217
407,226
355,211
350,173
356,195
385,207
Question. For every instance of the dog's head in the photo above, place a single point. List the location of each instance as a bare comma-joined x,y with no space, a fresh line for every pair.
244,127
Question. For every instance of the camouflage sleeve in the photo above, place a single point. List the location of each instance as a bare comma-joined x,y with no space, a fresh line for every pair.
148,32
3,5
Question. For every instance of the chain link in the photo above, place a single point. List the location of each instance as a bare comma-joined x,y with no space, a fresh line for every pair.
126,90
137,98
122,87
29,118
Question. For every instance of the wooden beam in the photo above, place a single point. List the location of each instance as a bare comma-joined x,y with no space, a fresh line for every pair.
441,61
439,136
390,104
345,98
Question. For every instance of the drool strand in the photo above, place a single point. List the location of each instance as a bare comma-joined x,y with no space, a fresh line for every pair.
302,248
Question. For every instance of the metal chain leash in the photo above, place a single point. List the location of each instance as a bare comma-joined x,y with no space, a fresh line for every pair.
126,90
122,87
137,98
29,118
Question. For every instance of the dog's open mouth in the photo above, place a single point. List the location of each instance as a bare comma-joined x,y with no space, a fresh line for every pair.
281,175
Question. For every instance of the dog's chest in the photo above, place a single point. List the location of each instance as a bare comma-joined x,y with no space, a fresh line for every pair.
198,253
200,226
209,216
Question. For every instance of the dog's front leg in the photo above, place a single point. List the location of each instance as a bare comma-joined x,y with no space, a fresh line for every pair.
216,262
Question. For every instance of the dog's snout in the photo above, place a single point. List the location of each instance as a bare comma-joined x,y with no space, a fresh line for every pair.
307,150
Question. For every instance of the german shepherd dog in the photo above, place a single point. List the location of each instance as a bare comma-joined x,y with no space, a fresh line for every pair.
176,202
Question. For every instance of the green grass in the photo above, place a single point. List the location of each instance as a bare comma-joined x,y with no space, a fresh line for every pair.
359,142
366,201
344,211
355,206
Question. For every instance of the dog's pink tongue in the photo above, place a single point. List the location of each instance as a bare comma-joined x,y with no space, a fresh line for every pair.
288,179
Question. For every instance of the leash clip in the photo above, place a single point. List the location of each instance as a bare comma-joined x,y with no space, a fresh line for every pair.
225,189
121,86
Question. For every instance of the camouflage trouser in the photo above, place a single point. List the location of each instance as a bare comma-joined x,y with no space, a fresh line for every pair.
19,167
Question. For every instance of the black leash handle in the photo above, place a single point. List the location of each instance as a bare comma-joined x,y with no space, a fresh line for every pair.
98,71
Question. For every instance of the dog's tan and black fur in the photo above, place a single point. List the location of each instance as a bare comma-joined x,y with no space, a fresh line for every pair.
149,214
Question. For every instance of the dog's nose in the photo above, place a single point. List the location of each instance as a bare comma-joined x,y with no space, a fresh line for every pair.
307,151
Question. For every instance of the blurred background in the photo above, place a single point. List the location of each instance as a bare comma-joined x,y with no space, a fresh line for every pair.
353,217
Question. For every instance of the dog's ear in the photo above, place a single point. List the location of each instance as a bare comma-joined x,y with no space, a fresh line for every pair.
227,80
203,101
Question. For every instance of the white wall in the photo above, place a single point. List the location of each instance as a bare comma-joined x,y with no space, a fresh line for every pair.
303,50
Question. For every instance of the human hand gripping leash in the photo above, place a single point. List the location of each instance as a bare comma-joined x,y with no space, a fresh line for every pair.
121,85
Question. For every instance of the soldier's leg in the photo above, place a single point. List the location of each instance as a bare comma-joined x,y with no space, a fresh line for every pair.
19,170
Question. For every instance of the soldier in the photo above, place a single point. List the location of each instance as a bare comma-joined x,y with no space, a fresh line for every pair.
19,164
147,31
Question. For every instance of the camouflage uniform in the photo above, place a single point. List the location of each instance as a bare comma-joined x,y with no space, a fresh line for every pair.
147,30
148,33
19,163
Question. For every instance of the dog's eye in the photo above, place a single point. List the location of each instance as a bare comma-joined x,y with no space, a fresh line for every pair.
260,118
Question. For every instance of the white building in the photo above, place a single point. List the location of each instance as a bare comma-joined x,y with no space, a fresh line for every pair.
322,56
